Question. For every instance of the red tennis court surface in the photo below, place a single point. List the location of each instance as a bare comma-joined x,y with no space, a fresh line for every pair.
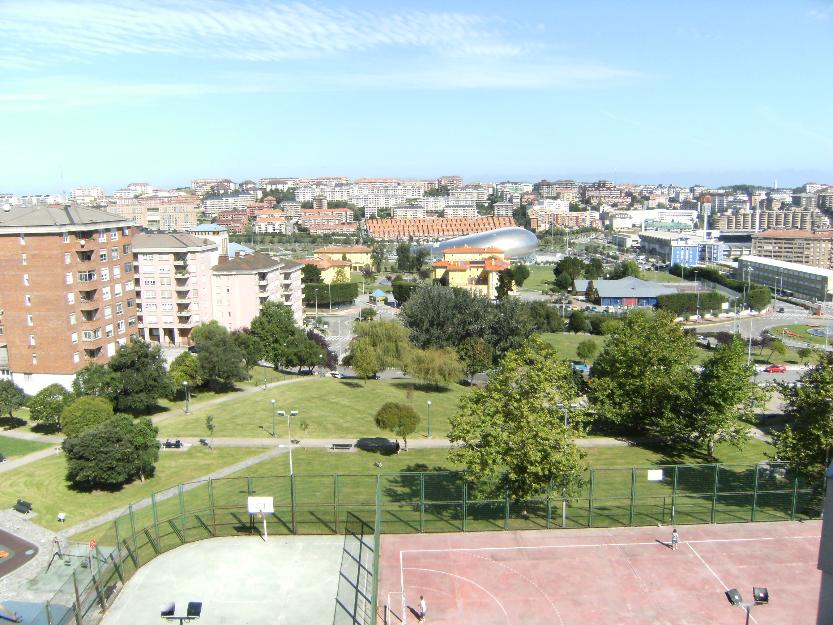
622,576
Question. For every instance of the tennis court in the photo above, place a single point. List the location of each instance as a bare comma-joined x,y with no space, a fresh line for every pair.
626,576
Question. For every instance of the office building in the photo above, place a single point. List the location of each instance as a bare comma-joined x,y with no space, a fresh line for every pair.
813,284
686,250
795,246
66,292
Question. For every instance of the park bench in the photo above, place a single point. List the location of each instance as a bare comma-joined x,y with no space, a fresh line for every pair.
341,446
23,506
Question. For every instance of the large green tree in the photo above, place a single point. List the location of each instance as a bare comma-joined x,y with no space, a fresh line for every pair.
625,269
363,359
571,266
806,442
95,379
505,284
400,419
47,404
141,377
643,379
274,327
185,368
85,413
440,367
12,397
511,432
389,340
724,395
222,362
310,274
476,355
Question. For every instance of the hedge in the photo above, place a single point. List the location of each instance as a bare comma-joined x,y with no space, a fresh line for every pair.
403,290
686,303
758,297
341,293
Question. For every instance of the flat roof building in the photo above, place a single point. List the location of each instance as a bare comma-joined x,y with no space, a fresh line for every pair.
630,292
802,281
796,246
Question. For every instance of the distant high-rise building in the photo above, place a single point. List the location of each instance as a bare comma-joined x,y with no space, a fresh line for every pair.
66,292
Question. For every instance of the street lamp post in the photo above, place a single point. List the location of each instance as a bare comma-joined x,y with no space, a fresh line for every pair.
697,288
273,418
292,413
749,349
187,397
429,418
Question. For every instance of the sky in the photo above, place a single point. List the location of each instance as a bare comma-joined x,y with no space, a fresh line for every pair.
701,92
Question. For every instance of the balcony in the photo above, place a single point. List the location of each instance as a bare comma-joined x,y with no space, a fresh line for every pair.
183,295
88,303
183,287
92,352
89,315
84,256
180,261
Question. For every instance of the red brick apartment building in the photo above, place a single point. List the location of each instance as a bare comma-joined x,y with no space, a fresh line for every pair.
66,291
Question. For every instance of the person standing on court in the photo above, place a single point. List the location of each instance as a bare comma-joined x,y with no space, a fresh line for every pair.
675,538
423,609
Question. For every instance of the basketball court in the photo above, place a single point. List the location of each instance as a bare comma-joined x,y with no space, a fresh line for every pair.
623,576
14,552
287,580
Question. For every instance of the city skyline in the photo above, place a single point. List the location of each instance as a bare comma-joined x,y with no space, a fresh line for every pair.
103,93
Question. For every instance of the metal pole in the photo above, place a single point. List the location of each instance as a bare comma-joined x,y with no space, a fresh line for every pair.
697,288
429,418
273,418
289,416
187,397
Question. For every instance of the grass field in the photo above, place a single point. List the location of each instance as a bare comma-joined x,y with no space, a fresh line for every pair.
43,484
659,276
10,447
328,407
565,343
801,330
538,275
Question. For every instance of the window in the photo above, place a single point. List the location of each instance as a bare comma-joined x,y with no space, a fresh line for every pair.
128,286
164,281
165,294
73,338
105,293
108,312
68,277
131,302
151,319
23,239
149,307
23,259
76,357
102,256
70,298
114,253
108,330
105,273
27,299
67,258
126,250
167,307
119,308
149,282
114,234
131,321
117,289
116,272
125,231
128,267
120,326
91,335
66,237
25,279
30,321
72,319
102,236
31,340
86,276
34,359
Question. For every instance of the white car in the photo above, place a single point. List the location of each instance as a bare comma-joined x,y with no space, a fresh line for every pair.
337,374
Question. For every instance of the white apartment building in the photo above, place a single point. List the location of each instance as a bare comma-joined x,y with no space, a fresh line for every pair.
87,195
173,285
504,209
291,209
515,188
213,204
201,186
408,211
468,195
270,224
435,204
277,184
461,211
243,283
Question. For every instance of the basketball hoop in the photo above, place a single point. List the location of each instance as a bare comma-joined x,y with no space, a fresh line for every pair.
258,506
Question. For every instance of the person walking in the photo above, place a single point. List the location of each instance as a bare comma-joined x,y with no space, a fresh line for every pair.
675,539
423,609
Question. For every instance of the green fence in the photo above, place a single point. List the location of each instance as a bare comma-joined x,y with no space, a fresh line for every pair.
362,506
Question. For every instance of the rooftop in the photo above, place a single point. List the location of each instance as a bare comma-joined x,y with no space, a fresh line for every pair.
208,228
626,287
794,234
782,264
248,263
58,217
343,249
170,241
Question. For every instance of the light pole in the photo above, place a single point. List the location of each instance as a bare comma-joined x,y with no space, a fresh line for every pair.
292,413
760,596
749,349
429,418
187,397
697,288
273,418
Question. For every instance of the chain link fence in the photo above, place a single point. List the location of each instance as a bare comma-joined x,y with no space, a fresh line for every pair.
362,506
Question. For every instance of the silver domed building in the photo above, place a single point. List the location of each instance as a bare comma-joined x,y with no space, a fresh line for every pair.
514,242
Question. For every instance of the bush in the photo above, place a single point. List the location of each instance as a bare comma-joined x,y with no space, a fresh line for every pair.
336,293
402,290
85,413
683,304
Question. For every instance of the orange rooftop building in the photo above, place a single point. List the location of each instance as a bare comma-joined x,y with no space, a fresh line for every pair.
473,268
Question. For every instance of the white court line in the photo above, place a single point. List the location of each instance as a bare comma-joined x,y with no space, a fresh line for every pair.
586,545
717,577
466,579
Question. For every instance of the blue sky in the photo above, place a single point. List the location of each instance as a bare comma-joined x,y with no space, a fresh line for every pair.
710,92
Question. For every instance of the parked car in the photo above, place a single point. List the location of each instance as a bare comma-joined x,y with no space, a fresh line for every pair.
775,369
337,374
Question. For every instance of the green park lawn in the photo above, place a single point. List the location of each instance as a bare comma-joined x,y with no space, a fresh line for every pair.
538,276
43,483
659,276
328,407
10,447
565,343
801,329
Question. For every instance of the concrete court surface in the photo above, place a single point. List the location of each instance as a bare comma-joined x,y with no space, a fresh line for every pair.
289,580
621,576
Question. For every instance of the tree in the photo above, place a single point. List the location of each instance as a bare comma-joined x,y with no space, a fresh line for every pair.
594,269
367,314
273,328
311,274
505,284
367,273
759,297
389,340
142,435
806,442
476,355
185,368
587,349
221,360
578,322
250,345
85,413
341,277
512,432
330,357
439,367
570,265
141,377
46,406
400,419
404,258
591,293
725,393
625,269
418,258
776,346
304,353
643,379
95,379
377,257
519,274
12,397
563,281
804,353
363,359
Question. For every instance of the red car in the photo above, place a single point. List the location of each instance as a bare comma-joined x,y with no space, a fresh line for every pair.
775,369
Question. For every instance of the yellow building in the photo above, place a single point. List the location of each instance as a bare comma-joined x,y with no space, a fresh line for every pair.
472,268
331,270
358,255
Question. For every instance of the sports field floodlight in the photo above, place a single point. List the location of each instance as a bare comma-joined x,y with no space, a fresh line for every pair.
760,596
734,596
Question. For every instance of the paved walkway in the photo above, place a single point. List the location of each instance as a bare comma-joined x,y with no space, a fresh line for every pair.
28,435
20,461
